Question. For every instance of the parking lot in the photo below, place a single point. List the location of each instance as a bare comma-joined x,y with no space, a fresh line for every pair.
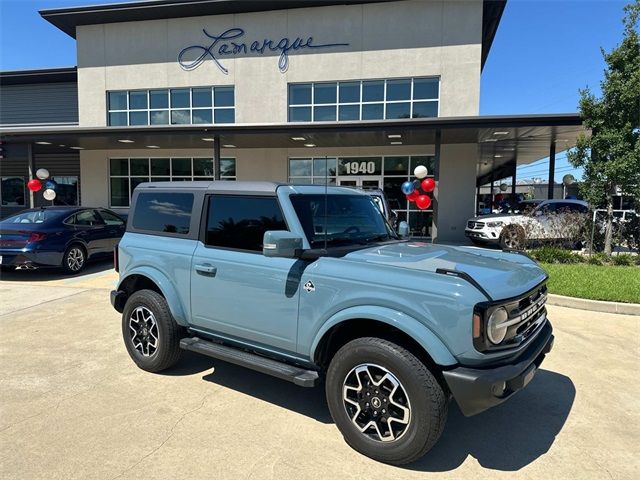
75,406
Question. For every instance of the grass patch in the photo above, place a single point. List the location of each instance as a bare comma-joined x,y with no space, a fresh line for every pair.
595,282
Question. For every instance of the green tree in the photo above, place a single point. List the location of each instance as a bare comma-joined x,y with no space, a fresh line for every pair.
610,156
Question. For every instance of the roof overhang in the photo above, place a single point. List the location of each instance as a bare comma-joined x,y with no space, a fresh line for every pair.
67,19
502,141
41,75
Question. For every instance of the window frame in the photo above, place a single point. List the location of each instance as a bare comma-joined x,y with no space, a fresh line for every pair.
169,109
202,237
361,103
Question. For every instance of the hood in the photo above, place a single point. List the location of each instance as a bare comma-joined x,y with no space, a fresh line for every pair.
493,216
502,275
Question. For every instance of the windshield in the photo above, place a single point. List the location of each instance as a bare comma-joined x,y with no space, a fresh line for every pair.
31,216
349,220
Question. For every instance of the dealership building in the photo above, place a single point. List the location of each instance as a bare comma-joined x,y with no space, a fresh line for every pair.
353,93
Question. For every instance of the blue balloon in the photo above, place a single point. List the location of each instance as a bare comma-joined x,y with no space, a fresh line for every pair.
50,184
408,188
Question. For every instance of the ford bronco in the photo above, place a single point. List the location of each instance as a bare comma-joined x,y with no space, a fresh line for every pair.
310,283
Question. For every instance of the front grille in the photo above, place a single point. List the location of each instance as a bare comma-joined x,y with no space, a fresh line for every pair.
475,225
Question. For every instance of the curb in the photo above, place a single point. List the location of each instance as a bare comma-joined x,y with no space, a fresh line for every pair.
593,305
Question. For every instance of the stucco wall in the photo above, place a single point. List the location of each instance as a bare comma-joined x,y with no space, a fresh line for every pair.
386,40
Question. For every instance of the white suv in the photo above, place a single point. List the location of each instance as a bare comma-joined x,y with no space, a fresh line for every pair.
548,221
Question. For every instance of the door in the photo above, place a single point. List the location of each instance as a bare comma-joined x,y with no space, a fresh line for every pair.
115,227
235,290
91,229
366,183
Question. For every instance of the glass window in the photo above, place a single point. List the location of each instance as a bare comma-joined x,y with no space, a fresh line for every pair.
66,191
139,166
203,167
349,112
399,110
111,218
180,117
324,93
135,181
202,116
181,166
425,88
138,100
119,166
300,94
180,98
160,166
396,165
163,212
201,97
138,118
159,98
372,111
325,166
227,167
425,109
13,191
349,92
324,114
360,166
300,167
117,100
224,97
118,119
399,90
299,114
426,160
225,115
373,91
240,222
87,218
159,117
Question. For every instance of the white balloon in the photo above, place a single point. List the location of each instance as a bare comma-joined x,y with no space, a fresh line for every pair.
42,173
421,172
49,194
503,187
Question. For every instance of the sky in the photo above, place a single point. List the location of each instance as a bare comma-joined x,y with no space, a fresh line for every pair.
543,53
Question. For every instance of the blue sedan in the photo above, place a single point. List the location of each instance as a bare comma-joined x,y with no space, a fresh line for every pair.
58,237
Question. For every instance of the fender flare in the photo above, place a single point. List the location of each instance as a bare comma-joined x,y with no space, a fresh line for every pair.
428,340
166,287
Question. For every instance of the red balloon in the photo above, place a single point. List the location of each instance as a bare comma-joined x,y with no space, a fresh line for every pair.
34,185
423,202
413,196
428,185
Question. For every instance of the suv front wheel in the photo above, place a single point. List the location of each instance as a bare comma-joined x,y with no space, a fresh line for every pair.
385,401
150,333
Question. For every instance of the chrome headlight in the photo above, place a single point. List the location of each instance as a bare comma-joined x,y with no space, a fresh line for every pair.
494,224
496,328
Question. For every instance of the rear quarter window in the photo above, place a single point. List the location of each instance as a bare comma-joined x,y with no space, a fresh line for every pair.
163,212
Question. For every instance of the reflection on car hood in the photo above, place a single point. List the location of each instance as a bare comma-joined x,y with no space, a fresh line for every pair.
501,274
497,216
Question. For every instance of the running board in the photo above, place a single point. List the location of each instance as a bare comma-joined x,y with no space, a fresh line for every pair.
284,371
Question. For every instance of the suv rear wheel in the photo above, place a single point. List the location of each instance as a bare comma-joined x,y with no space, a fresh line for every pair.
385,401
150,333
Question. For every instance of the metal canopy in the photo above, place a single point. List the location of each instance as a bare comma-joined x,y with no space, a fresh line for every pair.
502,140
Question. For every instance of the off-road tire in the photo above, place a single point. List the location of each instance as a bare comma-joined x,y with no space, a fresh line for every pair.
512,237
428,402
168,351
75,249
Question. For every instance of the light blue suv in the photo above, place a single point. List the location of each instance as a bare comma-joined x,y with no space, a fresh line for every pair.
307,283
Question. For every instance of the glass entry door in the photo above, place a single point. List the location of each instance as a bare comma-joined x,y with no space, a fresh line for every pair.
366,183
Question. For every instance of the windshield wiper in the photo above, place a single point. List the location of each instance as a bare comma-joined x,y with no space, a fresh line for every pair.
377,238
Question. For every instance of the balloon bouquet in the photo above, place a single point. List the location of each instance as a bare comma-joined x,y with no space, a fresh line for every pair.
36,184
412,188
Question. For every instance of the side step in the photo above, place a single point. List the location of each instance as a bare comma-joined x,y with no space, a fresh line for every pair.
297,375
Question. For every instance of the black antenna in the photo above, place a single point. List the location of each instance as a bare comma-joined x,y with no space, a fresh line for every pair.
326,196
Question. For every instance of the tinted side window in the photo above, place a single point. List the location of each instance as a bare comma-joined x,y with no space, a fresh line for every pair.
87,218
111,219
163,212
240,222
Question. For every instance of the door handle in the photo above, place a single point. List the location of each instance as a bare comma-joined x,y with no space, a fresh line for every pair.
206,269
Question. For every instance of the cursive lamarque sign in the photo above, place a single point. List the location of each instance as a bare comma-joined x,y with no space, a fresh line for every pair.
228,43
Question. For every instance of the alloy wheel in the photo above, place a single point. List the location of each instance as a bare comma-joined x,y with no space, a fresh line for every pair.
376,402
75,259
143,329
512,238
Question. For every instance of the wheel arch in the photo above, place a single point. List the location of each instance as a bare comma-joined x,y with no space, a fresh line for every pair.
151,279
385,323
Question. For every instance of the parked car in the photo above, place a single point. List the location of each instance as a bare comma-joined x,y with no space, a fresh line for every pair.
64,237
548,221
299,284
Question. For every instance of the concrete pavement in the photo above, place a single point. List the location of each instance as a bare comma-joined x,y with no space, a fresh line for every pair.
74,406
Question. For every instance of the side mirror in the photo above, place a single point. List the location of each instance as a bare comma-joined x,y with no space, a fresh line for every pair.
403,229
281,243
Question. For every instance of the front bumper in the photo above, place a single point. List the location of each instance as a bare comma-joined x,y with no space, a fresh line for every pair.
476,390
483,235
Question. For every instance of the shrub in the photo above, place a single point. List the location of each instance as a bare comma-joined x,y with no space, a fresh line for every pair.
598,259
549,254
624,259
